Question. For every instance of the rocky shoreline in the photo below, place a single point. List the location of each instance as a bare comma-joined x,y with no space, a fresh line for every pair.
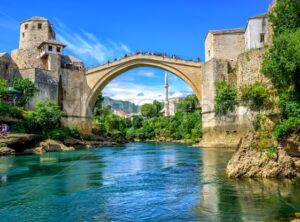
249,162
19,144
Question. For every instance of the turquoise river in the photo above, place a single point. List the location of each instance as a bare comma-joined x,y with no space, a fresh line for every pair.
138,182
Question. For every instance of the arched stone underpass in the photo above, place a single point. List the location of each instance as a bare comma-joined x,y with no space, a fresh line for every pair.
98,77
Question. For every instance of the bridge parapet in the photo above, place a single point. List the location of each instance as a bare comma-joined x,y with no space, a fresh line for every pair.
153,57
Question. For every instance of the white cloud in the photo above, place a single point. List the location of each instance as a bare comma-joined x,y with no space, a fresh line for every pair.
139,93
146,73
88,47
136,93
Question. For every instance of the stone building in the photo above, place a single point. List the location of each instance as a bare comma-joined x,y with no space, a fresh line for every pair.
256,33
234,56
224,44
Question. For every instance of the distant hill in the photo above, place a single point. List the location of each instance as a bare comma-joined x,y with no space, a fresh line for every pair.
119,104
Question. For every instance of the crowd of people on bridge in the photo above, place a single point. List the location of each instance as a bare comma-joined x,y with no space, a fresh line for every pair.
164,55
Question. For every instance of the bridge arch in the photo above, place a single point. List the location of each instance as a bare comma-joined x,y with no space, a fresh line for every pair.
98,77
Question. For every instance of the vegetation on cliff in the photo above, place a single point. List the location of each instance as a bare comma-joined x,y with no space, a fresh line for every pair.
44,119
282,64
225,99
273,149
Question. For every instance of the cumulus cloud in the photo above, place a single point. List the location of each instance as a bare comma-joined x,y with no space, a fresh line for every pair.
139,93
129,91
86,46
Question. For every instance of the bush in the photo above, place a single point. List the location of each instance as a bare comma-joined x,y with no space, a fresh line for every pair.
256,95
11,111
3,87
18,128
225,98
286,127
63,133
27,88
272,152
282,62
285,16
45,116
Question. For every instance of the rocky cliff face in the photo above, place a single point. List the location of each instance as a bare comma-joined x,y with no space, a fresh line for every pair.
250,162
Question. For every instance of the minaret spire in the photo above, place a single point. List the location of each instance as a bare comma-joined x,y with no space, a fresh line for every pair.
167,111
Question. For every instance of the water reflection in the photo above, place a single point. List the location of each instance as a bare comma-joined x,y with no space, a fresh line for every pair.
226,199
138,182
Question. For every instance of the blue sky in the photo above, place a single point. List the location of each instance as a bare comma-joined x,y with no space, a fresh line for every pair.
98,30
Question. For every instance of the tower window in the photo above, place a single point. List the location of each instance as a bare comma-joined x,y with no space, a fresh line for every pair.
26,26
208,53
39,25
262,37
23,34
50,48
58,49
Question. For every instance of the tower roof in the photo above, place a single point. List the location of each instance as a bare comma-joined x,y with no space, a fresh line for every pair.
264,15
36,18
227,31
53,42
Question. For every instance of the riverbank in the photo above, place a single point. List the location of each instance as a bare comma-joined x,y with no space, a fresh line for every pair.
282,161
18,144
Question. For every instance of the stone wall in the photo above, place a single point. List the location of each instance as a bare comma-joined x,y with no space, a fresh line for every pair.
248,67
74,92
8,68
226,45
48,85
74,99
27,58
220,131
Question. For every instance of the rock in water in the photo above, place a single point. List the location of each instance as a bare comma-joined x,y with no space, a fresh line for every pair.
37,150
5,151
54,146
250,163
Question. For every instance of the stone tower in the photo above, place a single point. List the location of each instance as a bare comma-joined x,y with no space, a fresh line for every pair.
34,31
38,47
167,108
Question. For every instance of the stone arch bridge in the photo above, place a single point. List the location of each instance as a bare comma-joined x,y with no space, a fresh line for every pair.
96,78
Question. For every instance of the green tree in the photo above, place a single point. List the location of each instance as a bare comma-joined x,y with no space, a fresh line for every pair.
137,121
188,104
256,95
285,16
282,62
3,87
98,106
44,117
158,107
149,110
27,88
225,98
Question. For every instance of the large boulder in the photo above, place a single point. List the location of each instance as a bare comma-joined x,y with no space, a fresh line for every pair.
54,146
37,150
250,162
5,151
17,139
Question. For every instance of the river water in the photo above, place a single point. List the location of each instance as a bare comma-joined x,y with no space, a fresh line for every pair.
138,182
